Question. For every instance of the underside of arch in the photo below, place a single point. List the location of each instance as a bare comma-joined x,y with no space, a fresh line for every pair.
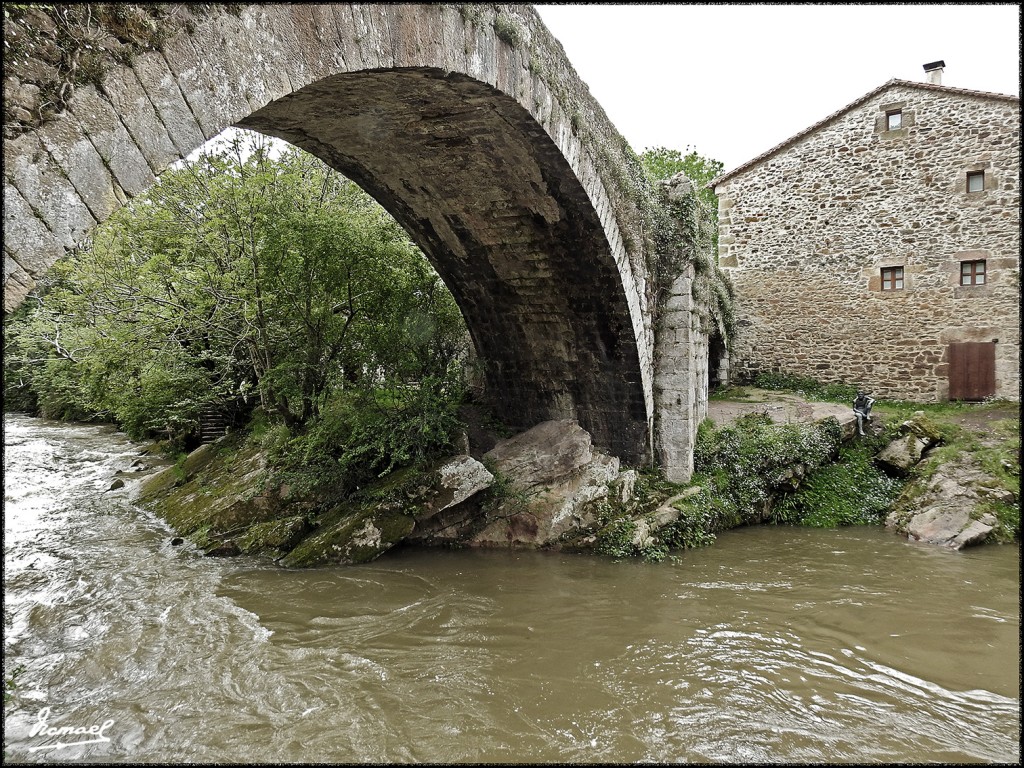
494,204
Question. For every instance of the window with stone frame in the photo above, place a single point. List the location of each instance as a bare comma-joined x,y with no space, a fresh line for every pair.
893,119
892,278
972,272
975,181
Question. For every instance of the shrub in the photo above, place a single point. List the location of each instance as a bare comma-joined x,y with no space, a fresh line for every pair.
362,435
852,491
741,469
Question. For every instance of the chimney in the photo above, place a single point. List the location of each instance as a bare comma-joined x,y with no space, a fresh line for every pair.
934,72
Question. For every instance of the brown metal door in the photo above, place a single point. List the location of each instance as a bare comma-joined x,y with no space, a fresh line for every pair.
972,370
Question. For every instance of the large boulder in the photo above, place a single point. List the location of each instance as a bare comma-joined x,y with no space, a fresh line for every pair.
553,475
949,527
385,513
916,436
350,535
900,456
450,484
548,453
953,510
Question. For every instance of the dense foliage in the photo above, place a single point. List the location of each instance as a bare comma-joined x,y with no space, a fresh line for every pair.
663,163
711,289
748,462
853,491
740,471
247,280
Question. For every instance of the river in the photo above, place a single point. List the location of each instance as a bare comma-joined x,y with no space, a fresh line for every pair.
776,644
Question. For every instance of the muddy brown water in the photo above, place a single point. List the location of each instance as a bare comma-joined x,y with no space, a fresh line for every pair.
776,644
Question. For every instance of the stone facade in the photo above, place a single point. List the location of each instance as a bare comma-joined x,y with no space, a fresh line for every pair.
806,230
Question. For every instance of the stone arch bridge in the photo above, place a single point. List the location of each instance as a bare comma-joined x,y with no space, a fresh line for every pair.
468,124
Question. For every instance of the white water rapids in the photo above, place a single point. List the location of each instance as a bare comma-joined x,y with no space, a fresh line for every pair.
775,644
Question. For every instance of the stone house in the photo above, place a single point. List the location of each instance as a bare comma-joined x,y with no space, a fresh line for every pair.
881,246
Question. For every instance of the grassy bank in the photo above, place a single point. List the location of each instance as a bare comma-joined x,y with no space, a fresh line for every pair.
985,433
751,470
754,471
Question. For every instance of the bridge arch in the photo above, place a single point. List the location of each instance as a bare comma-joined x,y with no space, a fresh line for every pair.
466,122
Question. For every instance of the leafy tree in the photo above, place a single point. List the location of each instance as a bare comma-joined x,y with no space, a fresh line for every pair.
242,278
662,163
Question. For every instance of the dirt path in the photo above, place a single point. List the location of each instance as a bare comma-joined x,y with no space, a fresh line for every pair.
984,420
781,407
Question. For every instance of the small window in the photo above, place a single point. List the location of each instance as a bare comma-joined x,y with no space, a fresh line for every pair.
894,120
975,181
892,278
972,272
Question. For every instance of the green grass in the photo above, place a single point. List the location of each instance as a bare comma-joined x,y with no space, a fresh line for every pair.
810,388
853,491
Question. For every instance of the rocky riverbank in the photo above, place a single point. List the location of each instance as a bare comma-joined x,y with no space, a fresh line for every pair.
965,488
959,462
549,488
528,490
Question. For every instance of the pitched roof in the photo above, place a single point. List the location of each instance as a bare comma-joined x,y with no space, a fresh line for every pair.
869,95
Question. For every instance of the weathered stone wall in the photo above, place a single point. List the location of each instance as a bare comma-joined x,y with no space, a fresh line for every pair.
805,231
465,121
685,320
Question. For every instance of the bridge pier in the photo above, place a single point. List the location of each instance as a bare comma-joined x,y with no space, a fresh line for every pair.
688,311
680,381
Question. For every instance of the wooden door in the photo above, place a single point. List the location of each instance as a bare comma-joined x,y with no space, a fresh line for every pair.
972,370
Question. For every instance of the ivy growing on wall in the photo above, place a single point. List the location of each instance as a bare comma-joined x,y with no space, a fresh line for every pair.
689,236
508,30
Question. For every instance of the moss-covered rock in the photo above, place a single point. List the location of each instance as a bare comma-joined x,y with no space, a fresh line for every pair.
916,436
384,513
350,535
162,482
926,430
214,494
274,537
957,504
900,456
423,492
220,497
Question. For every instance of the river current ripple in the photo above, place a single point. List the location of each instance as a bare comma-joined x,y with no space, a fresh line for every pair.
773,645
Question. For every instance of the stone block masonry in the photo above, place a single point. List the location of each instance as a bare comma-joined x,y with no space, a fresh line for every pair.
467,123
845,244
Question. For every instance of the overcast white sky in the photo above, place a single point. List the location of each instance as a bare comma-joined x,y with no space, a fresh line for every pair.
732,81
